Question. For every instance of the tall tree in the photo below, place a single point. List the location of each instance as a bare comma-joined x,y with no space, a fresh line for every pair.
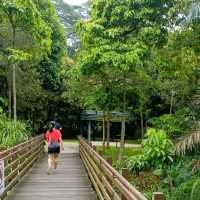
118,39
23,16
50,66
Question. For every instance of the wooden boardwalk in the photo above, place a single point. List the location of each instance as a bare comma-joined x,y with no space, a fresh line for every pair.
69,182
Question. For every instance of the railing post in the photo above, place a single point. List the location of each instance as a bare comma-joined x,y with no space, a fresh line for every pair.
94,147
125,174
89,130
100,153
158,196
109,160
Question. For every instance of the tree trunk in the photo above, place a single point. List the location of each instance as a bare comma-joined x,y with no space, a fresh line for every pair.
123,130
108,131
104,131
123,125
9,92
142,123
170,183
14,77
14,94
171,102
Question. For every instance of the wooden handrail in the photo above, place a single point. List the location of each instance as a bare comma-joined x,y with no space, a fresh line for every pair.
100,171
19,159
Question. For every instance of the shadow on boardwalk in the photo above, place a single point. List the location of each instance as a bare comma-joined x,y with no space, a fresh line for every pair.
68,182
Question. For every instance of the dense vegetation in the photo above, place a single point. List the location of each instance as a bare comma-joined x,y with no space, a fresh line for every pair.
135,56
143,57
32,57
12,133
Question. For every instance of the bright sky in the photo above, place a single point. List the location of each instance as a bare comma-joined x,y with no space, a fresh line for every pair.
75,2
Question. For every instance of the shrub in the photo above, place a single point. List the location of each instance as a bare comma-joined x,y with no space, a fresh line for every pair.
174,124
186,190
158,148
119,164
12,133
157,151
137,163
195,194
181,170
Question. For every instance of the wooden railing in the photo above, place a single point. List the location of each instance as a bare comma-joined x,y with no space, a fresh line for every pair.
108,183
18,160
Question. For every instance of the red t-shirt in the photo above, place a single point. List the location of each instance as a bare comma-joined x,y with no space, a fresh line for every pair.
54,135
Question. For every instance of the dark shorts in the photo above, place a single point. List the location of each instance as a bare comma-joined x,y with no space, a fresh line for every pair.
53,150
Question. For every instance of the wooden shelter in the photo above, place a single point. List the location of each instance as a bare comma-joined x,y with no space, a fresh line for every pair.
91,115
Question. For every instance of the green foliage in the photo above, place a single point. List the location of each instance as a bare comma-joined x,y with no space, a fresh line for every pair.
158,172
50,66
24,15
39,54
185,189
137,163
116,44
157,151
119,164
181,169
174,124
17,56
157,147
12,133
195,194
3,102
113,152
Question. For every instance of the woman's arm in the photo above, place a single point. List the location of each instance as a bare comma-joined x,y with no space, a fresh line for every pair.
61,143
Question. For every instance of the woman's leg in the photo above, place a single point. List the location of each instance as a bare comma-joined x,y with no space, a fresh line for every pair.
50,163
56,157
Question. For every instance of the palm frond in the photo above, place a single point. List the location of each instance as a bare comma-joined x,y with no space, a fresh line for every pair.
187,143
196,166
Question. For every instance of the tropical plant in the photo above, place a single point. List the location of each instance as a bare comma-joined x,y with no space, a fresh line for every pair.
187,143
158,145
195,193
158,150
190,141
137,163
187,190
12,133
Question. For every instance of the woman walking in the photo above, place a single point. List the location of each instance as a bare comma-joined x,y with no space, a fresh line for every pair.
54,139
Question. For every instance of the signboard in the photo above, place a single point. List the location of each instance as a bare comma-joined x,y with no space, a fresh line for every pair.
2,186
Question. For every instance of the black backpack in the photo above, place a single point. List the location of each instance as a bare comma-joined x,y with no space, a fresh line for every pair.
54,146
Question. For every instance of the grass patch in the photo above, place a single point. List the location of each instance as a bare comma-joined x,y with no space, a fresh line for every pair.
138,141
70,140
113,152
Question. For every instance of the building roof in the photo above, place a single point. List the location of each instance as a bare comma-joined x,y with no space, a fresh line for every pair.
98,115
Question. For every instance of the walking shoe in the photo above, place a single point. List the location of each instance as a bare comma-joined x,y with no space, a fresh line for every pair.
55,165
49,170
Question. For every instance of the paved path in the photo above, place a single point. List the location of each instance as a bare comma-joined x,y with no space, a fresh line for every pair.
68,182
118,144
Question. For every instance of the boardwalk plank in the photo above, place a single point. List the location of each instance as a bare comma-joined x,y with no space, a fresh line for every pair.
68,182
